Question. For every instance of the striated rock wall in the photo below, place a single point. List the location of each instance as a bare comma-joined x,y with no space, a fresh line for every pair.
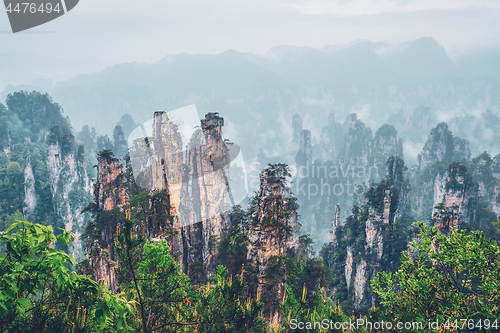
275,229
335,224
486,172
331,140
304,154
266,240
70,187
205,194
109,193
385,145
358,143
196,184
168,158
367,238
360,284
30,199
109,190
430,175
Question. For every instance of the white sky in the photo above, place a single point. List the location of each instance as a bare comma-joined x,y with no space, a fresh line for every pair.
147,30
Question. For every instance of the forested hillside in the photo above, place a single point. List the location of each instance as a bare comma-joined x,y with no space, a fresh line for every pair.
146,236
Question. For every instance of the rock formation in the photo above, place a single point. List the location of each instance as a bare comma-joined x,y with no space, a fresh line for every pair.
429,175
30,199
196,185
370,263
55,185
331,140
296,128
304,154
368,242
274,229
168,159
71,190
205,194
109,193
335,225
385,145
357,143
109,189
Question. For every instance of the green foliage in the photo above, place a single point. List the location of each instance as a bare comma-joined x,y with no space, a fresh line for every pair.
27,127
197,273
304,270
375,196
11,188
320,312
38,293
168,303
457,171
278,172
233,247
87,137
453,278
352,235
278,207
12,183
223,306
40,114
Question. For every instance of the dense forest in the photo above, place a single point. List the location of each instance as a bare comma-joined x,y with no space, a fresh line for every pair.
41,293
98,237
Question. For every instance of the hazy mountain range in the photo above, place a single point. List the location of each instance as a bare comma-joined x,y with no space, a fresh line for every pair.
413,86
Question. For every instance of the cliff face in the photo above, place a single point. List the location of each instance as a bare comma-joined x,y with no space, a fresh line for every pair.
442,146
385,145
109,193
70,186
274,229
446,176
167,167
196,185
357,143
446,219
486,172
335,225
30,199
397,172
205,193
377,225
331,140
369,241
429,176
55,186
265,239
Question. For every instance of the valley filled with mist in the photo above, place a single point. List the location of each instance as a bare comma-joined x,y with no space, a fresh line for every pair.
300,173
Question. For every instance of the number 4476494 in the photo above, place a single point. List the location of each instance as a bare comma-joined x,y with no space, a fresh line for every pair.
27,7
485,324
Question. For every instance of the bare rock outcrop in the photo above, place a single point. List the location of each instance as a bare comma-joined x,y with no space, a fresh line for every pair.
70,186
274,229
109,193
205,196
